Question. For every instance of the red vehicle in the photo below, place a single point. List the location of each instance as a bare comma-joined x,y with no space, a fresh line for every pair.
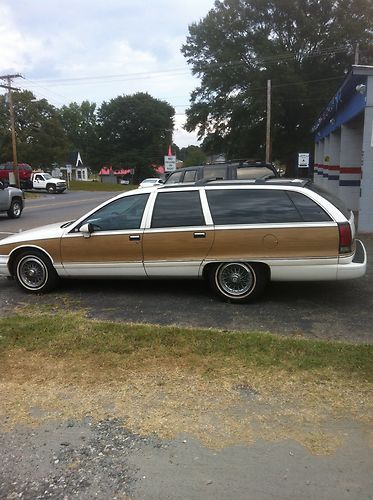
24,171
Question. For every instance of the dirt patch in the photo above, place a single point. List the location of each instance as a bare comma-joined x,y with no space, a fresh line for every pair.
219,408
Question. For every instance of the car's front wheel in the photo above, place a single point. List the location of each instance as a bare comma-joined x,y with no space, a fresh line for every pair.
34,272
238,281
51,188
15,209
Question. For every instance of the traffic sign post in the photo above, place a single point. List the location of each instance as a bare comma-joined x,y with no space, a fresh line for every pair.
303,163
169,163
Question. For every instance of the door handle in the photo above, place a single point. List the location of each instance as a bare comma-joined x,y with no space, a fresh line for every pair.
199,235
134,237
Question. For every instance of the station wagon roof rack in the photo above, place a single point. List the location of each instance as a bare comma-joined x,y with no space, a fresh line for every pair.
264,180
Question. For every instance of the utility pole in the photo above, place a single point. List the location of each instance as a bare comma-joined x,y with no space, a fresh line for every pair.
9,87
357,54
268,128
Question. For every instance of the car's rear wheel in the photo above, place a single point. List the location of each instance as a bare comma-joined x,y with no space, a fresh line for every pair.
34,272
238,281
15,209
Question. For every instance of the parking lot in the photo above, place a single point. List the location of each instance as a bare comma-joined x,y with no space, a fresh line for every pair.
319,310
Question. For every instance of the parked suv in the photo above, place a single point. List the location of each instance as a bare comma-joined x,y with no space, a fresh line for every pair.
234,169
238,235
11,200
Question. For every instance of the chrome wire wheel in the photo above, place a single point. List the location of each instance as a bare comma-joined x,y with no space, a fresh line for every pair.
32,272
235,279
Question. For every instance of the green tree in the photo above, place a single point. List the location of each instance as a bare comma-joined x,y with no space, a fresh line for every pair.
41,139
303,46
192,155
80,124
135,131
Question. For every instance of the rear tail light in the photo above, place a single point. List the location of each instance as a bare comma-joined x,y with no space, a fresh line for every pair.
345,237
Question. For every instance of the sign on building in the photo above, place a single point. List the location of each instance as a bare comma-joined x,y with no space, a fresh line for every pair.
169,163
303,160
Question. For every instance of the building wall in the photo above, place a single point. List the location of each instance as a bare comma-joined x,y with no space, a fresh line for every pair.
366,199
344,151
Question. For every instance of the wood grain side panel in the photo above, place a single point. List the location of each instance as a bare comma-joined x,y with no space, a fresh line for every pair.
101,248
175,246
51,246
275,243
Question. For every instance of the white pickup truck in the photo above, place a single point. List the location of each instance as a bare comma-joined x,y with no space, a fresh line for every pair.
44,181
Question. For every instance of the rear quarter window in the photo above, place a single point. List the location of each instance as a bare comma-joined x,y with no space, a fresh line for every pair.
331,198
251,206
308,209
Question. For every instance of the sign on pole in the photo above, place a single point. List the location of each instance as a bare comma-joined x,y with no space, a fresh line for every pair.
303,160
169,163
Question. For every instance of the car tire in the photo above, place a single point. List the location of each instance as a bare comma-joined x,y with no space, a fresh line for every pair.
15,209
238,282
51,188
34,272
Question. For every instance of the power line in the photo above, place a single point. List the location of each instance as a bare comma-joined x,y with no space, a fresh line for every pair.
179,71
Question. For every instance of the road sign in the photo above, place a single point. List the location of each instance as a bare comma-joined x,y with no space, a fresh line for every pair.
303,160
169,163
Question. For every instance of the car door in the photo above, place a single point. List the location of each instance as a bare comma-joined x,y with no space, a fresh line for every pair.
113,247
177,238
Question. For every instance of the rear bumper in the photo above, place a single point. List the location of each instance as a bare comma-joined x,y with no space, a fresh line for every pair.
355,269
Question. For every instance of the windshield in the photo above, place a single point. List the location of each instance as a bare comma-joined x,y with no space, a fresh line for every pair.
47,176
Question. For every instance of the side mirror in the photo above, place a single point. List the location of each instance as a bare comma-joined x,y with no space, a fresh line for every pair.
87,230
1,185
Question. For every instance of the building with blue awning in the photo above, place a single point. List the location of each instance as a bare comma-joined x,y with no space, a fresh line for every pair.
344,144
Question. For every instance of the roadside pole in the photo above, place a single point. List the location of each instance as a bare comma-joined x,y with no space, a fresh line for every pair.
12,122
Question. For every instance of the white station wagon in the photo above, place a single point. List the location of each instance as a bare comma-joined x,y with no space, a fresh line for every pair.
238,235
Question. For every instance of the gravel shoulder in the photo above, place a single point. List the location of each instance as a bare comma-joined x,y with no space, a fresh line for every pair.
85,460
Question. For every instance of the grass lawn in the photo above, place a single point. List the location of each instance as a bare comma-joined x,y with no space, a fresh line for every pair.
222,387
72,333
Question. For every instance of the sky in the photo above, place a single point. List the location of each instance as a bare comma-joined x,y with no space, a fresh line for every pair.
70,51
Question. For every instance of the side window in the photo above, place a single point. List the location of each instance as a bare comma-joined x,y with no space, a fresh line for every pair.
190,176
182,208
39,178
251,206
253,172
309,210
125,213
174,178
215,172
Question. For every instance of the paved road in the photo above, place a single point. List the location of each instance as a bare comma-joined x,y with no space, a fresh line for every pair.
48,208
342,310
